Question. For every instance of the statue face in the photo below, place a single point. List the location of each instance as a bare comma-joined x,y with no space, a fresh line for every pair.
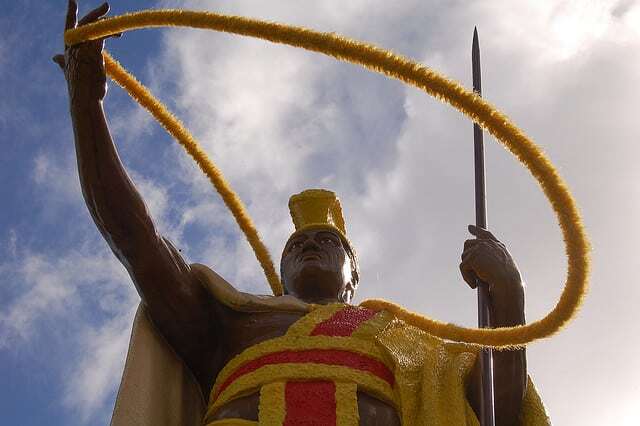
316,267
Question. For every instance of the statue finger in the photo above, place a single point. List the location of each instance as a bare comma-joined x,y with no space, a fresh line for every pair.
500,246
72,15
482,233
95,14
468,275
469,251
59,59
470,243
492,247
480,247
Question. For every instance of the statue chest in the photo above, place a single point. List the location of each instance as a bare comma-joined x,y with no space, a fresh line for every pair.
281,365
244,330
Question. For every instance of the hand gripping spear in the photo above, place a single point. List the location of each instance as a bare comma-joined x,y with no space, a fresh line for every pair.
486,356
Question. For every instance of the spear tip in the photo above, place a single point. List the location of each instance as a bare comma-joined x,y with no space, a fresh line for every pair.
476,43
475,61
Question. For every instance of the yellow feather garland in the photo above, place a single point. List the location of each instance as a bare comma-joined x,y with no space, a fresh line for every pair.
392,65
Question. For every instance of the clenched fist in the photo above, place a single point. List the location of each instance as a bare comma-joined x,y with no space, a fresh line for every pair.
487,259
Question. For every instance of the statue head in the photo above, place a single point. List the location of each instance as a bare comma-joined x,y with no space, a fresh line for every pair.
318,263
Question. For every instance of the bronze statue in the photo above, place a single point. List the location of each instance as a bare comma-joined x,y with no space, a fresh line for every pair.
317,266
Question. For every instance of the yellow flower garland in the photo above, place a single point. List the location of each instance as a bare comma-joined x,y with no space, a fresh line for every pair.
410,72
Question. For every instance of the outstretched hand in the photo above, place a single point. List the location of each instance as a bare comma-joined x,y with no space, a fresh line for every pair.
82,64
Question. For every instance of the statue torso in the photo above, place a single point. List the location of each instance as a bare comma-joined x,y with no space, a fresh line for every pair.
243,330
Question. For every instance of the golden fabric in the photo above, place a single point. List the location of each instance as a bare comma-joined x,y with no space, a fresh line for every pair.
317,208
429,373
311,353
430,378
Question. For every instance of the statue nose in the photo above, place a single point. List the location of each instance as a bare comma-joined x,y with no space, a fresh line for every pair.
310,245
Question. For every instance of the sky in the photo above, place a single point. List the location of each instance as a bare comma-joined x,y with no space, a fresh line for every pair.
278,120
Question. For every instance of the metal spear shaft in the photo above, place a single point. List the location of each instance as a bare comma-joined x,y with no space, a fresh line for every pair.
486,355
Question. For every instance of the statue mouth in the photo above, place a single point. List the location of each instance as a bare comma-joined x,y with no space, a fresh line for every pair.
310,257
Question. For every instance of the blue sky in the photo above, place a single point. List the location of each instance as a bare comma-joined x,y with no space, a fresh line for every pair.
278,120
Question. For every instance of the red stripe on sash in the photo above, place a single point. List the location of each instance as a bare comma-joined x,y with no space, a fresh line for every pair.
344,322
315,356
310,404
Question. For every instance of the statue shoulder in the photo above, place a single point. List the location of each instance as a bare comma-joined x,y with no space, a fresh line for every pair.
240,301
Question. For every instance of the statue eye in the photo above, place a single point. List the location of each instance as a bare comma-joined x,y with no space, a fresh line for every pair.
329,240
295,245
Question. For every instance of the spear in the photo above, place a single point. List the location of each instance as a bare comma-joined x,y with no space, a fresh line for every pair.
486,355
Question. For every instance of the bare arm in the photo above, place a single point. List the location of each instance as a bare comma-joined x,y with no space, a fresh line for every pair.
179,306
487,258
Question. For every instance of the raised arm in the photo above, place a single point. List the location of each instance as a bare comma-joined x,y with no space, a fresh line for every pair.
179,306
486,258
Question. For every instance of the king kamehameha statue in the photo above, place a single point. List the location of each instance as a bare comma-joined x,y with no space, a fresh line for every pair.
306,358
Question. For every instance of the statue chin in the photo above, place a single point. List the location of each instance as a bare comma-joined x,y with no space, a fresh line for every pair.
315,282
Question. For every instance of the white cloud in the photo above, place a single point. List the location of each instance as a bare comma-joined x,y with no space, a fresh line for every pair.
94,378
12,242
83,290
45,294
128,122
51,287
87,294
56,175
